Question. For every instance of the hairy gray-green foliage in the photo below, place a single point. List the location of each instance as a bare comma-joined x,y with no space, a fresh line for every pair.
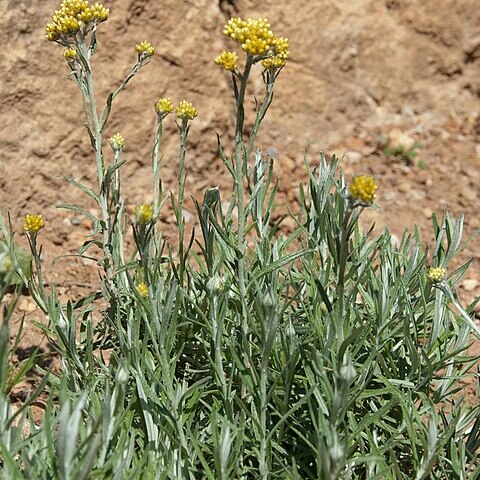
323,354
186,393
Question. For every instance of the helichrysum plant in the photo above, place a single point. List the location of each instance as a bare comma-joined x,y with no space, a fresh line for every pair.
240,351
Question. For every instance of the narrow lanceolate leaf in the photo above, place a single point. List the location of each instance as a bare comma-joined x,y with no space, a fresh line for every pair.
463,314
84,189
152,428
77,209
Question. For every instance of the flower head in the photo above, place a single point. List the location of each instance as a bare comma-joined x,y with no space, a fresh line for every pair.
33,223
164,106
142,289
256,38
116,141
70,54
64,26
186,111
273,62
143,213
364,189
145,49
436,274
228,60
72,16
96,12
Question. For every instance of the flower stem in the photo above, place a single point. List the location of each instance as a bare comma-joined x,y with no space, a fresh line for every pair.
156,167
267,100
97,144
240,165
180,198
343,256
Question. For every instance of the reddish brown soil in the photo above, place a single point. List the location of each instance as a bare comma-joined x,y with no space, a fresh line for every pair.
361,73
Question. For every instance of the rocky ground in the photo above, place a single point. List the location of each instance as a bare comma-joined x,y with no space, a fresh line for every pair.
392,86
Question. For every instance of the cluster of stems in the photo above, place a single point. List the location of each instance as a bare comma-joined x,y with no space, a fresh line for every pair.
242,155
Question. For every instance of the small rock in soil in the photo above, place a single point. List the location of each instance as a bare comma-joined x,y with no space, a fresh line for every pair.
272,152
427,212
353,156
470,284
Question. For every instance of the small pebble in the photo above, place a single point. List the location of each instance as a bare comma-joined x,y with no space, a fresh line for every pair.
353,156
427,212
470,284
272,152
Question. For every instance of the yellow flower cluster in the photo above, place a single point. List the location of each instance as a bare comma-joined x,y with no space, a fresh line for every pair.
68,20
142,289
279,54
145,49
253,34
273,62
436,274
228,60
70,54
164,106
256,38
186,111
116,141
364,189
143,213
33,223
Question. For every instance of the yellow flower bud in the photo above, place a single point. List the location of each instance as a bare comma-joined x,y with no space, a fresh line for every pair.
116,141
70,55
143,213
436,274
142,289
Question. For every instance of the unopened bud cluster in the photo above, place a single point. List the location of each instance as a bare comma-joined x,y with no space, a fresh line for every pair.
215,285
